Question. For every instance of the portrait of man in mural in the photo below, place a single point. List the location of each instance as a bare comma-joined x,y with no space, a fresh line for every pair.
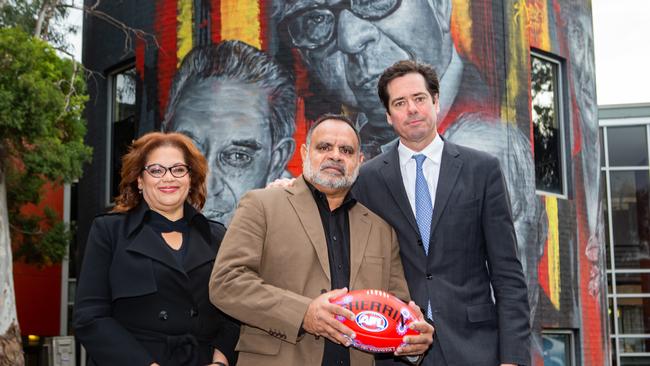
346,45
238,106
581,53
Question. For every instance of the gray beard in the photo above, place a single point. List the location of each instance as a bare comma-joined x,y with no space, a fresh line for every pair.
346,181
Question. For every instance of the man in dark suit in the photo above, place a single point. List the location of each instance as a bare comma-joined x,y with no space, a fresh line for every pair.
450,209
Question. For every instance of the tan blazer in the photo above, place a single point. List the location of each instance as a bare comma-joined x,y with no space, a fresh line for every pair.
273,261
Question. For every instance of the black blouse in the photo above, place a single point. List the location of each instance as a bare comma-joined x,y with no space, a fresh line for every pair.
160,224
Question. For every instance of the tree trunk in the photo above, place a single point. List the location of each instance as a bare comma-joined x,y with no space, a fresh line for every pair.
11,350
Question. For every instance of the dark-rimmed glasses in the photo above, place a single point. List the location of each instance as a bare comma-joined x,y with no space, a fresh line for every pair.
159,171
315,27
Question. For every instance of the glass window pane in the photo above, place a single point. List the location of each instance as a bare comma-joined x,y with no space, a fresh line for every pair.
635,361
633,283
124,95
610,315
602,147
613,351
628,146
630,218
547,131
557,349
123,129
603,192
633,315
634,345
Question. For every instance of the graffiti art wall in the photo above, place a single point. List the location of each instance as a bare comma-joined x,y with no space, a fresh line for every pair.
244,79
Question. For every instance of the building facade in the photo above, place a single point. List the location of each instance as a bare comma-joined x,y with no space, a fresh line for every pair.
244,79
625,176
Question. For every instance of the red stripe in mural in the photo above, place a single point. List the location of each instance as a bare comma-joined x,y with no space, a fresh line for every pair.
592,316
300,136
139,57
215,21
165,27
263,19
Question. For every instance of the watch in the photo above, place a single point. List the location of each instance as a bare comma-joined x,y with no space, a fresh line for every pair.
219,363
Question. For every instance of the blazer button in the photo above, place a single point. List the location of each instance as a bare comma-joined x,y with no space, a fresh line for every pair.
162,315
420,242
429,276
193,313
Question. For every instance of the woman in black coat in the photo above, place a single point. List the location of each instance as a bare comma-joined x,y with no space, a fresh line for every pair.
142,297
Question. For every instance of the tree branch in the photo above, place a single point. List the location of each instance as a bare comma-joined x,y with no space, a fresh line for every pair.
126,29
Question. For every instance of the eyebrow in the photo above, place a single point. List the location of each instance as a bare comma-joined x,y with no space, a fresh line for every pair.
249,143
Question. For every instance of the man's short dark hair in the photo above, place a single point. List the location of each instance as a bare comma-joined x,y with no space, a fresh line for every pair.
401,68
238,61
332,116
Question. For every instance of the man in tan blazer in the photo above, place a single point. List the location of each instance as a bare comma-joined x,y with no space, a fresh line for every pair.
289,250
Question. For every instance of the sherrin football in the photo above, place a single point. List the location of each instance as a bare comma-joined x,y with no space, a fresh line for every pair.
381,320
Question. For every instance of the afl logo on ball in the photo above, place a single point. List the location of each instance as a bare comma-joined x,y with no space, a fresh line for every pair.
371,321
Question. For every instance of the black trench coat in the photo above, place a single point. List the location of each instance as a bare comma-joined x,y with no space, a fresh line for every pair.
136,306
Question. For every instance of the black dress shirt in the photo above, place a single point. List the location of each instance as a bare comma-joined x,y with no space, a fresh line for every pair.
336,225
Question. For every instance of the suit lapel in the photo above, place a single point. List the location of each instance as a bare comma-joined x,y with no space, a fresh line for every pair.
198,252
393,176
449,169
303,203
149,244
359,234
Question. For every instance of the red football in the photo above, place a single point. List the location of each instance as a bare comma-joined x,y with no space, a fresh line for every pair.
381,320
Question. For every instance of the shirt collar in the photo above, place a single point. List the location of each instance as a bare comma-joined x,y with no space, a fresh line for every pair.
347,204
140,213
433,151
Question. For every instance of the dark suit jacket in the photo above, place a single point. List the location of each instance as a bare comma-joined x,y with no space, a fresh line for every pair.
274,261
136,305
472,246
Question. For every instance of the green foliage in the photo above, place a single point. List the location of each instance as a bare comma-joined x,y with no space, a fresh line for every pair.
42,99
22,14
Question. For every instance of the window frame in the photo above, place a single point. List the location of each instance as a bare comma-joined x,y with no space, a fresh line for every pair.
572,342
562,117
110,120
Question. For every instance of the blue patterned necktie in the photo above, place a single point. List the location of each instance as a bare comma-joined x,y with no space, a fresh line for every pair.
423,206
423,210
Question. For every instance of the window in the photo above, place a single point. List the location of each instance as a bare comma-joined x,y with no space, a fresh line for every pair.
122,124
558,347
548,128
626,209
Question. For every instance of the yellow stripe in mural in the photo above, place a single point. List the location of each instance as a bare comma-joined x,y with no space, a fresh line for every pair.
553,250
240,20
538,24
462,21
517,56
184,36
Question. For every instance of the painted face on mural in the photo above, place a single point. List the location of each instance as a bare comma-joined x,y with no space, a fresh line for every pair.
229,122
582,60
348,44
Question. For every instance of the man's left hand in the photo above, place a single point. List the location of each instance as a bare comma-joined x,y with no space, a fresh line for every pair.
417,344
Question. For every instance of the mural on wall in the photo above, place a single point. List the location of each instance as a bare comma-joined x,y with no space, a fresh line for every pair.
243,78
238,106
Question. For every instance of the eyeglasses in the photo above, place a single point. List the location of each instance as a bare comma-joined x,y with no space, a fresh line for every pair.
315,27
159,171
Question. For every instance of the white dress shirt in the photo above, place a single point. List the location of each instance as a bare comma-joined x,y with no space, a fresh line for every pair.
430,168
